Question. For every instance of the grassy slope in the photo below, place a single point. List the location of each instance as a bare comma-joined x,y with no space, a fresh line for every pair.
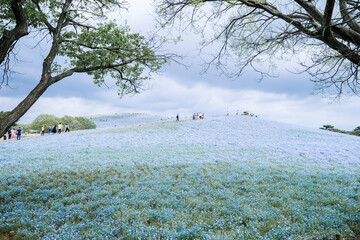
222,178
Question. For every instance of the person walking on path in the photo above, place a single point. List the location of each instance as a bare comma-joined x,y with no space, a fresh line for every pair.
13,133
42,130
9,134
177,117
67,128
18,134
60,127
54,129
49,129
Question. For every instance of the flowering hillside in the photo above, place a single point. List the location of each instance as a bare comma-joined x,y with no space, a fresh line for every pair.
220,178
124,119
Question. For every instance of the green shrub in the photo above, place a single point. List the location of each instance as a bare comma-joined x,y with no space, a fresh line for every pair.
356,133
67,120
44,120
331,128
76,123
337,130
85,123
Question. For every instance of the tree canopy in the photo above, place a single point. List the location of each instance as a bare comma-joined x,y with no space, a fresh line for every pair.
324,36
76,123
82,39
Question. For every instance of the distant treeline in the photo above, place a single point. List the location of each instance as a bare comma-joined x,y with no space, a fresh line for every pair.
331,128
76,123
46,120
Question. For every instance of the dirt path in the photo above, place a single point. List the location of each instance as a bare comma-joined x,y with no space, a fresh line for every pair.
23,137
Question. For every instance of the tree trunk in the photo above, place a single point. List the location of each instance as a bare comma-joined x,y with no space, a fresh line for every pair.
23,107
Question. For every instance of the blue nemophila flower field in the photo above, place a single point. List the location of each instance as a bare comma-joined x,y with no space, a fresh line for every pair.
219,178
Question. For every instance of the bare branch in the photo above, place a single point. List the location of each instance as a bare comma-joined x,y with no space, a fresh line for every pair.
251,31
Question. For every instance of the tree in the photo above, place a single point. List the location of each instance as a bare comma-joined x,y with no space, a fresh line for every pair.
76,123
327,127
252,33
85,123
82,40
44,120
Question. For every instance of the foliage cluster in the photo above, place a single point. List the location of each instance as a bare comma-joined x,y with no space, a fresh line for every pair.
331,128
242,179
75,36
76,123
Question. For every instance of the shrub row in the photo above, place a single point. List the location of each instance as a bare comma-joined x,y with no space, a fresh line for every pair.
76,123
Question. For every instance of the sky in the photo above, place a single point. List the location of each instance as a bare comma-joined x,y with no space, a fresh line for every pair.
175,90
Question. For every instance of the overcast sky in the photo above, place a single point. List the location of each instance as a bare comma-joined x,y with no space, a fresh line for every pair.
177,90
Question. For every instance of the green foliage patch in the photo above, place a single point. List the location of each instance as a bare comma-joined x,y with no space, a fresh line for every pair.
76,123
355,132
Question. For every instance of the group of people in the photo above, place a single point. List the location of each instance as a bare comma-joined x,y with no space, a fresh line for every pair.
51,130
197,116
11,134
55,129
245,113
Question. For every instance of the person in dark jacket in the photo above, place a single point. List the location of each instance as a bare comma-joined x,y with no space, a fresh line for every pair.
54,129
18,134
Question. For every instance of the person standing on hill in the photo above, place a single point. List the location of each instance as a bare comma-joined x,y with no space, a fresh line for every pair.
67,128
177,117
54,129
18,134
60,127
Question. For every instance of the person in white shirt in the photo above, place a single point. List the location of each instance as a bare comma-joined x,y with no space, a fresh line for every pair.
60,127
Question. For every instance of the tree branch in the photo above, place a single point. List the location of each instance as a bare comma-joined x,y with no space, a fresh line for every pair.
348,19
21,29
